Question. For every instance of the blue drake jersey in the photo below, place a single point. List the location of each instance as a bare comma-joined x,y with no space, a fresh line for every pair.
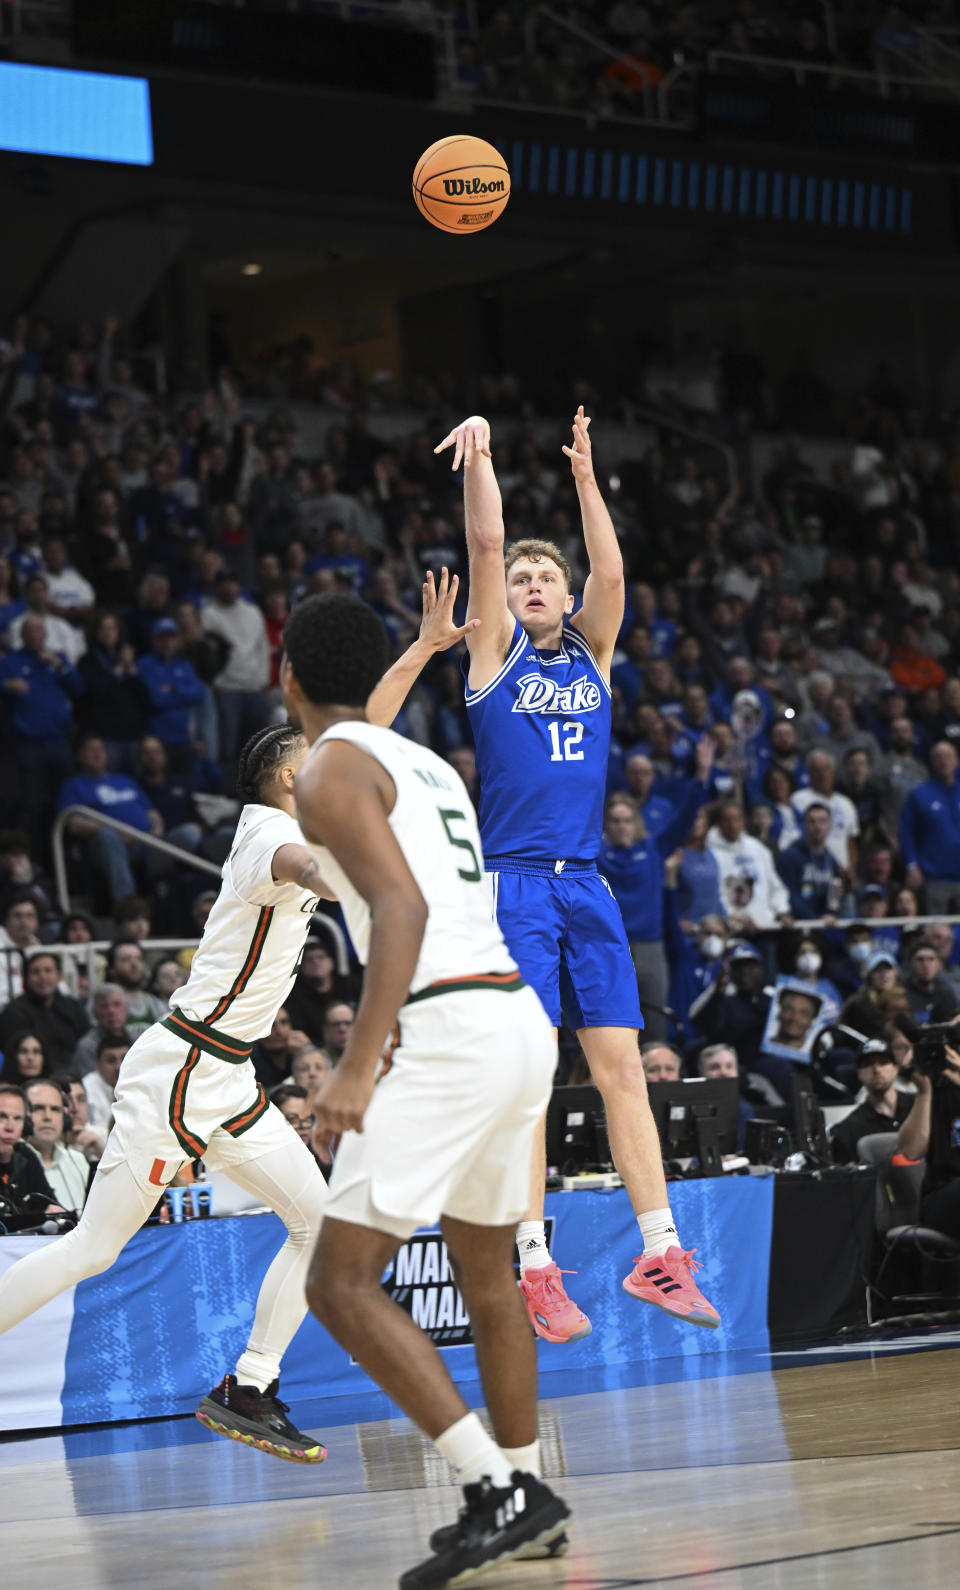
542,732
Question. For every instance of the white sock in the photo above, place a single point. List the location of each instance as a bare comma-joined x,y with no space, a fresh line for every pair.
532,1245
659,1232
250,1373
471,1452
524,1458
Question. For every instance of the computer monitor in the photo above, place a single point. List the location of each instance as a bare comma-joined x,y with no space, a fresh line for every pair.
577,1129
697,1119
809,1125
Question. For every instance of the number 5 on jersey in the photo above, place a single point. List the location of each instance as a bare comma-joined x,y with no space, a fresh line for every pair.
449,816
572,735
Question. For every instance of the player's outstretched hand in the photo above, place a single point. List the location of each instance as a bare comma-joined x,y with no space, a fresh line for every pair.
581,453
437,628
341,1101
472,436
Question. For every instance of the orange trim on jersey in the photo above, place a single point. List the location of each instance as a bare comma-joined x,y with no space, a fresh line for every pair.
238,1124
187,1139
219,1044
246,970
508,982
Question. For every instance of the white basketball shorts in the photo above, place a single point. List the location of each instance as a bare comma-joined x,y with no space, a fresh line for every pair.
450,1127
176,1103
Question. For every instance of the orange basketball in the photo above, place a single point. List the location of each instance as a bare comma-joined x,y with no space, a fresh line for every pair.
461,184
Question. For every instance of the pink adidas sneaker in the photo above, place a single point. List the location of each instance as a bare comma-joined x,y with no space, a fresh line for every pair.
553,1315
666,1280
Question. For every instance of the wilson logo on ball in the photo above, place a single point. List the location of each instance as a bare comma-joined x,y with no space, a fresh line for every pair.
456,187
461,184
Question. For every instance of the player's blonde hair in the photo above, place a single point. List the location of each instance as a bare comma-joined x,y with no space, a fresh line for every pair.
536,551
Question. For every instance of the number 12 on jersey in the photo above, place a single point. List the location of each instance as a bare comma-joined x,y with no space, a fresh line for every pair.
572,735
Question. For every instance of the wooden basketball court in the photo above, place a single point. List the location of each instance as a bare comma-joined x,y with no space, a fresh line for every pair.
827,1474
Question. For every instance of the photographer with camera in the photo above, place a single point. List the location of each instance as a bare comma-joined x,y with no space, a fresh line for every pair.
931,1132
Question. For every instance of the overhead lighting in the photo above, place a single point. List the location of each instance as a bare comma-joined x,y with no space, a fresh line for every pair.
251,269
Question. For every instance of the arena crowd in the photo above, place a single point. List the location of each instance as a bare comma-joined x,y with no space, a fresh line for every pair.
784,808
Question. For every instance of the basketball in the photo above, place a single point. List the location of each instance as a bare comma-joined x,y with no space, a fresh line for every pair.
461,184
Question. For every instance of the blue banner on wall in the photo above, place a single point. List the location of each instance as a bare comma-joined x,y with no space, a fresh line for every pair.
153,1334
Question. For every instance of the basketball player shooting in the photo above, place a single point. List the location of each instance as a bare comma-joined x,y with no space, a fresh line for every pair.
538,698
438,1125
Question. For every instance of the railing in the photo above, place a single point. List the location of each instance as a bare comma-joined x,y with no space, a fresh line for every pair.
76,957
164,847
878,80
656,96
100,820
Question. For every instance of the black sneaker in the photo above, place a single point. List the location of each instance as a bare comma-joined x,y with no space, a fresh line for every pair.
557,1547
257,1418
495,1524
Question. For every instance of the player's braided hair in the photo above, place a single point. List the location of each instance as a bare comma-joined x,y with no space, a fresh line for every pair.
337,647
261,757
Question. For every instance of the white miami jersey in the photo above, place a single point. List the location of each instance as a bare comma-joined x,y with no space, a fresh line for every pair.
255,933
435,826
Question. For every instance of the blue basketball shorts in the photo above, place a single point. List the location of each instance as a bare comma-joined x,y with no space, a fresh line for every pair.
566,934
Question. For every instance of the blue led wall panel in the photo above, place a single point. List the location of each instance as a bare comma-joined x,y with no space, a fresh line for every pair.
78,115
751,190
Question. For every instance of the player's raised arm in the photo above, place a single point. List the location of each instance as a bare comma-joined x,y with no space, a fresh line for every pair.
343,801
601,615
488,646
438,632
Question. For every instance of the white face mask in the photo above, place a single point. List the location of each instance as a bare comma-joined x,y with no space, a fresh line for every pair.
809,963
712,945
862,951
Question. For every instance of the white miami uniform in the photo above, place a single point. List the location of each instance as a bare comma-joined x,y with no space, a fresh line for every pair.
187,1086
468,1070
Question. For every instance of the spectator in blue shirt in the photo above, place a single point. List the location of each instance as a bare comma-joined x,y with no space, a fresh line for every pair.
38,690
697,718
632,860
779,749
694,961
811,874
27,555
698,876
642,609
115,795
640,777
738,676
338,556
173,688
930,834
